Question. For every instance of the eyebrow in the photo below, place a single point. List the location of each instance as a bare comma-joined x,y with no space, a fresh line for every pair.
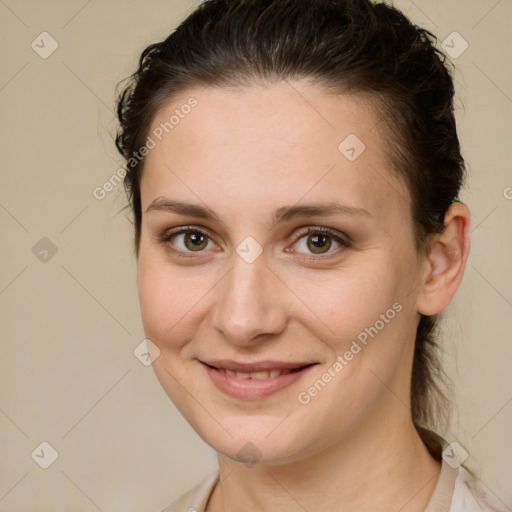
285,213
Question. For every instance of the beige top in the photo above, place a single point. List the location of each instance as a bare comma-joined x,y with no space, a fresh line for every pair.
456,491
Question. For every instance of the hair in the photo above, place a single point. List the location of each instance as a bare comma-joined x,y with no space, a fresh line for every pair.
352,47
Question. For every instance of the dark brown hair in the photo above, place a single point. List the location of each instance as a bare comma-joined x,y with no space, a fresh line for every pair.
347,46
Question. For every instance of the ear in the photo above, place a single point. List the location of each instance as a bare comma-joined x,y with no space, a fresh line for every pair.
445,262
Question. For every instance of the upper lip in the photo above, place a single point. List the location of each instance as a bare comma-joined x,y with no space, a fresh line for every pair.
256,366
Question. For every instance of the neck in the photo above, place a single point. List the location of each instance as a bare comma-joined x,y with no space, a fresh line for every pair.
390,469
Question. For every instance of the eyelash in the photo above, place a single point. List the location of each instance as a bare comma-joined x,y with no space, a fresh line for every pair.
343,241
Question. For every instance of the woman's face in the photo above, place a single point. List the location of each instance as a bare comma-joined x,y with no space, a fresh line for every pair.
298,253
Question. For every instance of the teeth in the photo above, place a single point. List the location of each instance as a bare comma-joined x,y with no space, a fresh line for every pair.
255,375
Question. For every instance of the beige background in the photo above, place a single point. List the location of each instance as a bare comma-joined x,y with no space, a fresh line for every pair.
69,325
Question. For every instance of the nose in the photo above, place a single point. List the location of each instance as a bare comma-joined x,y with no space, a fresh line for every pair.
249,306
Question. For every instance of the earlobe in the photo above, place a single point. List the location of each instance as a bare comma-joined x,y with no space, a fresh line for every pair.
445,262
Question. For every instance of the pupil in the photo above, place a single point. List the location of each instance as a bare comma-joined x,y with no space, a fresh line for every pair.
316,242
195,241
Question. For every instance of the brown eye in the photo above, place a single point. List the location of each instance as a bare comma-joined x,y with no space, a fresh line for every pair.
318,244
195,241
189,240
319,241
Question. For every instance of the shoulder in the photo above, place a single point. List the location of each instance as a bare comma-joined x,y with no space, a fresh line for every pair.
470,495
196,499
458,489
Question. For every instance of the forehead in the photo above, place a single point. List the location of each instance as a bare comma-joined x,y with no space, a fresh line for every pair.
266,146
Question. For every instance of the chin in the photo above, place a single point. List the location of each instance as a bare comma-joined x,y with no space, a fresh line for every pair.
255,443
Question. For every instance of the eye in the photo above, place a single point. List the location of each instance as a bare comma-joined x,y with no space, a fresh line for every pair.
188,239
318,241
311,240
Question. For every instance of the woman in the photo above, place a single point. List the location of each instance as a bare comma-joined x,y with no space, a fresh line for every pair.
293,169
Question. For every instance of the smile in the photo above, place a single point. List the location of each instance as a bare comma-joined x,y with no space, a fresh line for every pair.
257,381
255,375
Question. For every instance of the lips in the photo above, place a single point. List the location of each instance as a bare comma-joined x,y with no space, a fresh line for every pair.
255,375
256,379
257,366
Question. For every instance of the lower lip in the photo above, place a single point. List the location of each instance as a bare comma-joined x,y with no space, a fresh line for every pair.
253,388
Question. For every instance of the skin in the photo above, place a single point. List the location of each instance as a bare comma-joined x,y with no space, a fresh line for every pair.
244,153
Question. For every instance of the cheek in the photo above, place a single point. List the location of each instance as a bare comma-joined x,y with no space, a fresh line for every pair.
364,317
165,298
346,301
374,325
